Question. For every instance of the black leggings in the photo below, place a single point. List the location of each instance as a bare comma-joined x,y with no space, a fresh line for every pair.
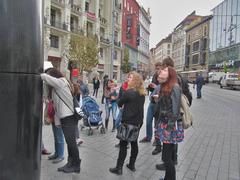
167,155
123,153
95,92
69,125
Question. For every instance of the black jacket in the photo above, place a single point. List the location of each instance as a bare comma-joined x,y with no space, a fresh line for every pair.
133,107
169,106
96,83
183,83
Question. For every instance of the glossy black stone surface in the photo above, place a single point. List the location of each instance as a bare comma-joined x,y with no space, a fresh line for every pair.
20,89
20,129
21,36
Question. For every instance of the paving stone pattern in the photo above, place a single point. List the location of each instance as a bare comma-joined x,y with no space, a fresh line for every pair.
210,150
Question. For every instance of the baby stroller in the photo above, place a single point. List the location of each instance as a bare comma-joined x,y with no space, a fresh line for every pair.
92,115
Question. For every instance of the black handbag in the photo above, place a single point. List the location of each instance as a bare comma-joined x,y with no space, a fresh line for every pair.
128,132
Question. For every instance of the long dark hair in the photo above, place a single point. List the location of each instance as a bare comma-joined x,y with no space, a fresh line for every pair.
167,86
54,73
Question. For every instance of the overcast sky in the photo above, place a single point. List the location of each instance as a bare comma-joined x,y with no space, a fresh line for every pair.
167,14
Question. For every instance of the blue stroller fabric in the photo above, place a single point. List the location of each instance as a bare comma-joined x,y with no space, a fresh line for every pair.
92,110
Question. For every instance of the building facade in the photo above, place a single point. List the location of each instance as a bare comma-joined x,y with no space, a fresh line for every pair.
130,30
66,18
197,44
179,41
143,40
225,36
152,62
163,49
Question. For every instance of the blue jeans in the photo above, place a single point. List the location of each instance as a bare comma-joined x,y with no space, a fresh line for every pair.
58,140
119,118
149,119
113,108
199,94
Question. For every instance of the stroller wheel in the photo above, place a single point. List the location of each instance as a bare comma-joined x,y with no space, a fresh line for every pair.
102,130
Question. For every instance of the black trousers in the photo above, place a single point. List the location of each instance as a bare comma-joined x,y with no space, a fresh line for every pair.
175,153
167,155
69,125
103,97
95,92
123,153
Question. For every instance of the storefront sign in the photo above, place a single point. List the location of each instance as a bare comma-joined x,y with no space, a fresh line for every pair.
75,73
228,64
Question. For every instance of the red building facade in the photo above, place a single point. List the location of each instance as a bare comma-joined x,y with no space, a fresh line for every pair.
130,23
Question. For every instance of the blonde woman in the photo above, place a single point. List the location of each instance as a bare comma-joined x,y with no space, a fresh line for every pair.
132,102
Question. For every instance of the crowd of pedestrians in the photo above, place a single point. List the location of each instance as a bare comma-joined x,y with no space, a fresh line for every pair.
128,100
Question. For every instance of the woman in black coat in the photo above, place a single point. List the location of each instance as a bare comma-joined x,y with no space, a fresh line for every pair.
96,85
132,102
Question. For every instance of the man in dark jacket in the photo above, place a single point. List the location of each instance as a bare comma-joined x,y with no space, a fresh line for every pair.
199,82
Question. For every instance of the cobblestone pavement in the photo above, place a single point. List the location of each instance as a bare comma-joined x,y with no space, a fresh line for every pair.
210,149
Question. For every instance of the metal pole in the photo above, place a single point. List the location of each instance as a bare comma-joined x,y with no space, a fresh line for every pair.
112,48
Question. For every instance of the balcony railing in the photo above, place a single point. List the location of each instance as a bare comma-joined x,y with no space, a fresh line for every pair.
75,8
76,30
104,40
91,16
118,6
59,2
117,43
59,25
103,20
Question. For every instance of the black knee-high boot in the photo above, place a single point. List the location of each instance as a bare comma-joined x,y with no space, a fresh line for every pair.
106,123
113,129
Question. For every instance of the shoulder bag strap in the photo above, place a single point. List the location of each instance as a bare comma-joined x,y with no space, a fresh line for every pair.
64,101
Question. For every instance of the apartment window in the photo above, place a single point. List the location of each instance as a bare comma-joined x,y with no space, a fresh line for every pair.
168,52
54,41
169,46
101,52
115,36
87,6
196,46
187,62
205,43
116,18
72,23
204,56
53,17
205,31
115,55
129,25
189,38
195,59
188,49
99,13
102,32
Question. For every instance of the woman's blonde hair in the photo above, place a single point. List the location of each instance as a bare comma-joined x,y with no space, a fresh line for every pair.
137,83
